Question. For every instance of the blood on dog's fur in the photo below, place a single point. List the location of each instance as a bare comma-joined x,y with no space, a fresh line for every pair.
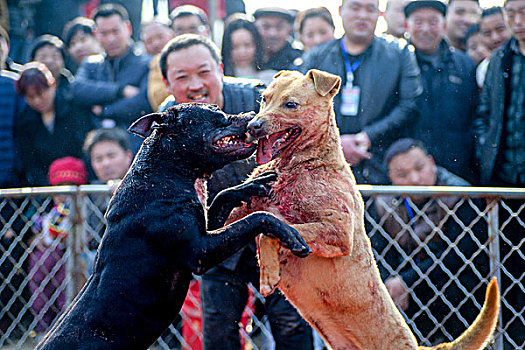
156,236
337,289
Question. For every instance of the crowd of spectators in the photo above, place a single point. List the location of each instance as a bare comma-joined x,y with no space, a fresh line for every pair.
449,75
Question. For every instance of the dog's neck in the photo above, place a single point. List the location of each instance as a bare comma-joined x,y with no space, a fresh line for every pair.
152,159
319,148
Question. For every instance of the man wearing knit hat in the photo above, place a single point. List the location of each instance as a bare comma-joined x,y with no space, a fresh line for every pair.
46,261
449,94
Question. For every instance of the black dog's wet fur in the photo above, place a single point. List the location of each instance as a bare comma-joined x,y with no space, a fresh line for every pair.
156,235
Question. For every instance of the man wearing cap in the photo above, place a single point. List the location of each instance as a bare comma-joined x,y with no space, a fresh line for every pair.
189,19
275,27
450,93
380,83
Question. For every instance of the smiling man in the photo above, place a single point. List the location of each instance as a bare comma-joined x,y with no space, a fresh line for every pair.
461,15
193,72
449,94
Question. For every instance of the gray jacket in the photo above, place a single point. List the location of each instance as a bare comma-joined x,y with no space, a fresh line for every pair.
390,82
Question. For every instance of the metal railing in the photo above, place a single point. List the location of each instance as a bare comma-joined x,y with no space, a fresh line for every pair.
40,276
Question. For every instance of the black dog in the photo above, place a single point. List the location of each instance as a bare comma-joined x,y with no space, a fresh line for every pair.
156,235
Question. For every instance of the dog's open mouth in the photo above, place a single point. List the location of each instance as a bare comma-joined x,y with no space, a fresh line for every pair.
270,146
232,144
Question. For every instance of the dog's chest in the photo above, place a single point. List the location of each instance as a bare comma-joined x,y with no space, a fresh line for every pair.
284,201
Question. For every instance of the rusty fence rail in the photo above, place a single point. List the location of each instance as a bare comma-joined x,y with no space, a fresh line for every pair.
445,243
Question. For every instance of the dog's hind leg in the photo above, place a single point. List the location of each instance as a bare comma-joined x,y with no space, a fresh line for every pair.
270,274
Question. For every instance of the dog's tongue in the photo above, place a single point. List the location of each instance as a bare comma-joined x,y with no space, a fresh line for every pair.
265,148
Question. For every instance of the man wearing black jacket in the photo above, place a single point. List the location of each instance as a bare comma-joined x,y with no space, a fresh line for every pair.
192,69
114,84
380,84
450,93
500,137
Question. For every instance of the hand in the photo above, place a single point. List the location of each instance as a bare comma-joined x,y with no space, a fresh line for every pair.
9,234
130,91
396,289
355,147
97,110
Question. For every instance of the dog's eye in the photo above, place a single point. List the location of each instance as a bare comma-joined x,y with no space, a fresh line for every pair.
291,105
263,99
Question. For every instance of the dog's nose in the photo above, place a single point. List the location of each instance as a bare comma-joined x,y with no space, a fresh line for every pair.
255,127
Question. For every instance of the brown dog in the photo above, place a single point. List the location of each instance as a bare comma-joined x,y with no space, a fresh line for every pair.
337,289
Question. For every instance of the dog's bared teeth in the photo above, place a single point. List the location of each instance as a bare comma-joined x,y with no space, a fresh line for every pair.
229,141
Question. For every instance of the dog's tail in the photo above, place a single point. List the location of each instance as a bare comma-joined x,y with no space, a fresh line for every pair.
480,332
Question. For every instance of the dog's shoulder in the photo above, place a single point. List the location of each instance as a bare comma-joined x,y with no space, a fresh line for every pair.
138,199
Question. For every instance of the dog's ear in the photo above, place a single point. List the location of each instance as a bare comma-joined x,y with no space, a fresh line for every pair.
145,124
325,83
283,72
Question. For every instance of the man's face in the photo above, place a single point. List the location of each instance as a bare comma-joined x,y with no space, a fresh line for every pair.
109,160
114,34
83,45
461,14
412,168
395,17
494,31
189,25
52,58
476,48
194,76
515,18
426,27
359,19
155,36
274,31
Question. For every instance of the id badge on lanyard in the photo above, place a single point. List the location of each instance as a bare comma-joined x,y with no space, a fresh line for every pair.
350,94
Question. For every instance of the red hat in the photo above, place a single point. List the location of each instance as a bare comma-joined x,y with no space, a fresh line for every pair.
67,169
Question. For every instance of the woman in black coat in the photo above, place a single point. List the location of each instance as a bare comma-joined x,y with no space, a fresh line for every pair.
50,127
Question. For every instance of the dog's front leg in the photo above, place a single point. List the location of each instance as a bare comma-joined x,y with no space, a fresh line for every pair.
270,272
233,197
220,244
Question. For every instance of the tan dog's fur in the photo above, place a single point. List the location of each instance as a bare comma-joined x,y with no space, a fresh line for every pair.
337,289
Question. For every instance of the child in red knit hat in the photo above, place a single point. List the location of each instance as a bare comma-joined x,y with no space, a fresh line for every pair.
47,262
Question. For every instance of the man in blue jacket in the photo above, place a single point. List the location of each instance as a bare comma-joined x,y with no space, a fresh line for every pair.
114,84
450,94
381,81
10,106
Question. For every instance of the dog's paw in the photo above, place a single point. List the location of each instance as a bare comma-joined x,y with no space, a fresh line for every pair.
296,244
259,186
